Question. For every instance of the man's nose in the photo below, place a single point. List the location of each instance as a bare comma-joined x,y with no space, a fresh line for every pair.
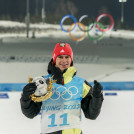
64,59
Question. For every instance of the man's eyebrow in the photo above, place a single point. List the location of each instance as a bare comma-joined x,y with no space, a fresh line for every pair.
60,56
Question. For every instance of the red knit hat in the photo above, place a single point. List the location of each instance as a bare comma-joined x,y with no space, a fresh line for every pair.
62,49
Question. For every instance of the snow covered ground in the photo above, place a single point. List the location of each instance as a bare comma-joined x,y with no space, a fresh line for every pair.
116,116
18,29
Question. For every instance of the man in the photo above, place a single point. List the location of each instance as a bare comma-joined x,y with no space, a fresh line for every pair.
61,113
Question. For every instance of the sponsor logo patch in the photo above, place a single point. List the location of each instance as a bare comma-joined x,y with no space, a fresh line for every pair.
4,96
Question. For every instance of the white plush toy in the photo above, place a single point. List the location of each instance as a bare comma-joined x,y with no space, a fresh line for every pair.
41,86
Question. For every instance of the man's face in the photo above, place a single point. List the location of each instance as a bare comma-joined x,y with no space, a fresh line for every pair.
63,62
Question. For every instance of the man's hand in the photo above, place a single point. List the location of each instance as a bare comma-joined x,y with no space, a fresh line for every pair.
28,90
97,89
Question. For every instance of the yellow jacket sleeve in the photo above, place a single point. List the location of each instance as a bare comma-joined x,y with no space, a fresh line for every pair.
86,89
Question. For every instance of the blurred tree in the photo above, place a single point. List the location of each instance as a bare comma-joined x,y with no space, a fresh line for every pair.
60,8
72,8
65,7
103,9
55,9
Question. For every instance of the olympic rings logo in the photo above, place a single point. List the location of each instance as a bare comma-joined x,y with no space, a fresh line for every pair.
95,31
64,93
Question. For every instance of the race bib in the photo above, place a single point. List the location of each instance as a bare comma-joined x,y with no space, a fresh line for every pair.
63,109
62,116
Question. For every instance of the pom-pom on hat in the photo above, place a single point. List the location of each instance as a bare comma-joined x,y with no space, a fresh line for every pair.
62,49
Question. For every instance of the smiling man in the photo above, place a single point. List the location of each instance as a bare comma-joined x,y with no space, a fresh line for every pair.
63,62
61,113
63,56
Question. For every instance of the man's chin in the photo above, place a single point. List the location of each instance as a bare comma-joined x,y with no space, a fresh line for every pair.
63,68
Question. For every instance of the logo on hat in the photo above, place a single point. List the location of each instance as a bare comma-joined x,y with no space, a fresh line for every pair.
62,51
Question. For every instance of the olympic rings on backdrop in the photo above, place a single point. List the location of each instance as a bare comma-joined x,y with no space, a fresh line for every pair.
111,19
80,20
84,33
63,19
97,25
99,34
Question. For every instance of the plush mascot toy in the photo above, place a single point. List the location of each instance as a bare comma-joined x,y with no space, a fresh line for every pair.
43,91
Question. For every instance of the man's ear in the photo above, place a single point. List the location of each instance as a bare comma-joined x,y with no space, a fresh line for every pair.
53,63
71,64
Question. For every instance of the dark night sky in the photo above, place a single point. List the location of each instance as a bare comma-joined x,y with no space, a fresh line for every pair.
89,7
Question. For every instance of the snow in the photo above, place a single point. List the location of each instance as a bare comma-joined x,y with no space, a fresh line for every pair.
54,30
116,116
100,72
